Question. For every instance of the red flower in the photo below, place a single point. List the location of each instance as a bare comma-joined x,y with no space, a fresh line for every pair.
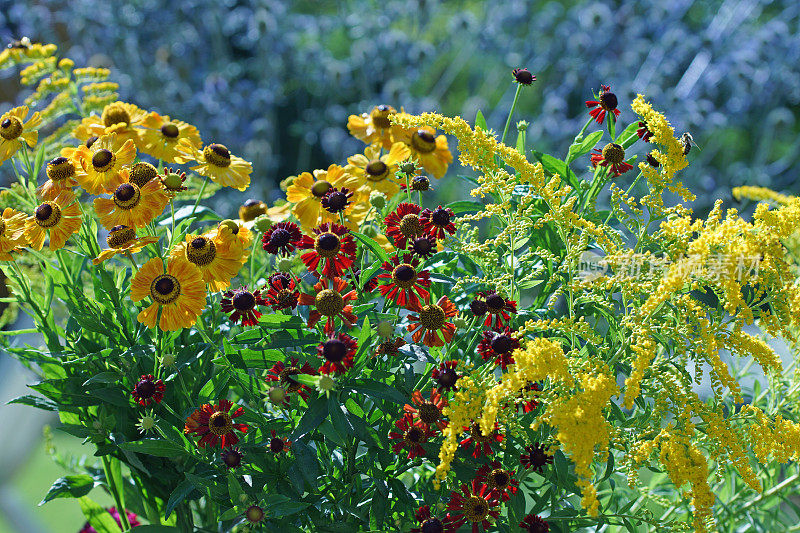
499,480
536,458
332,244
613,156
482,442
282,292
215,424
232,458
523,76
497,306
446,376
418,183
475,503
406,283
427,411
330,300
644,133
534,524
242,303
335,200
498,345
281,239
404,223
338,353
439,222
133,520
390,347
423,246
277,444
430,320
429,523
607,102
411,436
283,374
148,390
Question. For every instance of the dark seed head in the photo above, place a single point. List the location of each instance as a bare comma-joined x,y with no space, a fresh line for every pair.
447,378
250,202
523,76
102,157
495,302
244,300
125,192
164,286
432,525
440,216
334,350
405,272
145,388
328,241
608,100
277,445
90,141
6,123
501,344
426,136
220,150
198,243
44,211
280,237
478,307
170,130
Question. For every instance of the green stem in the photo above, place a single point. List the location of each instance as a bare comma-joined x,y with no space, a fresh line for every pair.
199,195
112,486
511,113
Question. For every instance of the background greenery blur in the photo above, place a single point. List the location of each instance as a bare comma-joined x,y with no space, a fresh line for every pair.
275,80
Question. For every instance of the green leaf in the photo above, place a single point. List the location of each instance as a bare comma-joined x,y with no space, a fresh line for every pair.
465,206
521,137
179,493
235,490
69,487
100,519
382,391
36,401
317,412
281,321
480,121
556,166
376,249
157,447
584,146
628,135
103,377
154,529
308,463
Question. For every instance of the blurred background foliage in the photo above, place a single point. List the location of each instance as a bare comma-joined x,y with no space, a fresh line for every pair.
275,80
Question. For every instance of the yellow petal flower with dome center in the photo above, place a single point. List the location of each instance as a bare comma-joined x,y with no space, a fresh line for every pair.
234,234
377,172
119,118
131,205
432,151
103,162
307,190
12,233
179,292
60,216
217,163
373,128
62,173
123,240
160,136
14,131
217,260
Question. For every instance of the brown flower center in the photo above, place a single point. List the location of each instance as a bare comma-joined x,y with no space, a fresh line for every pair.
127,196
103,160
60,168
447,378
48,215
170,130
217,155
201,251
608,101
476,509
115,114
327,244
277,445
142,172
328,302
404,275
432,525
287,381
145,388
495,302
120,236
499,478
423,141
429,413
420,183
377,170
414,435
614,153
320,188
165,289
410,226
10,128
432,317
501,344
334,350
380,116
244,300
220,423
440,217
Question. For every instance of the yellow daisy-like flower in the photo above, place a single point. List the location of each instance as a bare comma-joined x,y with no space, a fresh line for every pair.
218,261
234,234
123,240
307,190
103,162
61,216
373,128
377,172
12,233
179,292
131,205
120,118
161,135
62,173
14,131
432,151
217,163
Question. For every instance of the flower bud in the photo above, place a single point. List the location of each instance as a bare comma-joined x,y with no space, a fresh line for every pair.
377,200
459,322
285,264
385,329
262,223
276,395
